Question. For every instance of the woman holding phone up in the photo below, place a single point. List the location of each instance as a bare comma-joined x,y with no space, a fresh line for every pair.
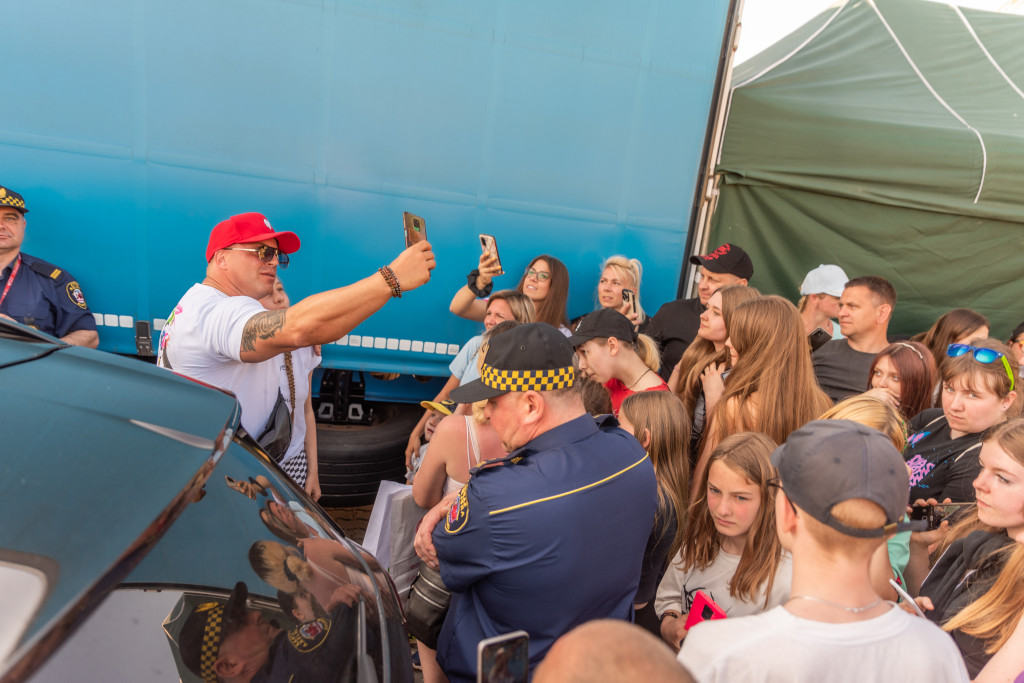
545,282
730,549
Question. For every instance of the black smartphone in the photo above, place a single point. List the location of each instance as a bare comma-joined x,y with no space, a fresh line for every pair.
415,229
818,338
935,514
629,298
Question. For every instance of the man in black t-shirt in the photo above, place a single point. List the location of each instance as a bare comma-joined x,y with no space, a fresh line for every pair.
865,308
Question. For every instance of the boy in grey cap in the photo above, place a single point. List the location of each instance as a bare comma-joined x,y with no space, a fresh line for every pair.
842,487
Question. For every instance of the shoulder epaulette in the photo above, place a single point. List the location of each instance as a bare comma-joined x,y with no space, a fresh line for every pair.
43,268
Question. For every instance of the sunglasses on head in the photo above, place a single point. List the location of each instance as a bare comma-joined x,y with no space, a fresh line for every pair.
265,253
982,355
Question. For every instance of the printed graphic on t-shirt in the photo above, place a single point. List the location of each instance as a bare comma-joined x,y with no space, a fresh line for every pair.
912,441
919,469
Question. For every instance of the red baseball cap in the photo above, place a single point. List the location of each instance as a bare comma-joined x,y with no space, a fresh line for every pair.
248,227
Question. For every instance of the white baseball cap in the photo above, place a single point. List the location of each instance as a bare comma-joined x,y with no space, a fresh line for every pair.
825,279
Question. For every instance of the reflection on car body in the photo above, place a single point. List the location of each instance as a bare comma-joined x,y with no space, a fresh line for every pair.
141,504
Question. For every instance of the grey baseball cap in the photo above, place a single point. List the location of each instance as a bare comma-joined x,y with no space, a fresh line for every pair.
826,462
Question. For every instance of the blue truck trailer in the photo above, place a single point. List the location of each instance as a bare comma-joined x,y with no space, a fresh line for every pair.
578,128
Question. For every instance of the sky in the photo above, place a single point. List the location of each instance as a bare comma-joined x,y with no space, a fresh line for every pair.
764,22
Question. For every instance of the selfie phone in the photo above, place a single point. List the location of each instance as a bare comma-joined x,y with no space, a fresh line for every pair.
489,245
703,609
818,338
415,229
906,596
934,514
504,658
629,298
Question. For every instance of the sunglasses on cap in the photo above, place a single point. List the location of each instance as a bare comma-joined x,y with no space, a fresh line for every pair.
982,355
539,274
265,253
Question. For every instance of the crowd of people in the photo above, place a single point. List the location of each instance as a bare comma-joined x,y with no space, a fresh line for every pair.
775,522
752,483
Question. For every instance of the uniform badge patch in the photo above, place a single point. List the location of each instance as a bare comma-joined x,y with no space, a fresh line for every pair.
458,514
310,636
75,294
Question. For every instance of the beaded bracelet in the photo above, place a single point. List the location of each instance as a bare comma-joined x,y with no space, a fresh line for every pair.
389,277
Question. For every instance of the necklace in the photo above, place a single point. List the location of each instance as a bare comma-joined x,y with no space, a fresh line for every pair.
854,610
642,375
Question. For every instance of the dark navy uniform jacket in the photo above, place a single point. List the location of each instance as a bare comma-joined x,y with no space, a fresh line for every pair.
551,538
45,297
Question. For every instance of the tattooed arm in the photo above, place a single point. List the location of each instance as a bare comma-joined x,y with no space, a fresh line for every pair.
328,316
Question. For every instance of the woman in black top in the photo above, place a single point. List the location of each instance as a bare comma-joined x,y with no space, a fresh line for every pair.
974,590
978,391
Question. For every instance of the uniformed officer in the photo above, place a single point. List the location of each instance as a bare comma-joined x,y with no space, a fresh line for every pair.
34,292
228,642
553,535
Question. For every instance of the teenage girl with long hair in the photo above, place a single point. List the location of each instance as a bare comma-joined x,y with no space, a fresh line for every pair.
697,378
772,388
903,374
976,588
730,549
658,421
954,327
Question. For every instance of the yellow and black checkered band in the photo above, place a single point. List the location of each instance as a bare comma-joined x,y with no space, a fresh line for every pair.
210,649
527,380
11,199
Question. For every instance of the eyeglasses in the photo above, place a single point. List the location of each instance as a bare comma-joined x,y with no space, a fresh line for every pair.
777,484
982,355
265,253
539,274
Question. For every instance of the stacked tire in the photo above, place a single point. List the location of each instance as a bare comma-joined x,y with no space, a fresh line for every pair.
354,459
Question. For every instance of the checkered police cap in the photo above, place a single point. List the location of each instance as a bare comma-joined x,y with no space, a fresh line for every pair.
9,197
200,639
203,632
533,357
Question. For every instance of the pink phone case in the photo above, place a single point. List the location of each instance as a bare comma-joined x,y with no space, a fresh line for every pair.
703,609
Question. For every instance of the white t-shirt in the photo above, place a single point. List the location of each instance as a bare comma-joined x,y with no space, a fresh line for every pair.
678,588
203,339
304,361
778,646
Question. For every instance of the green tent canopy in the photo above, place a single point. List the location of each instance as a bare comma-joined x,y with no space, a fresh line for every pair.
885,136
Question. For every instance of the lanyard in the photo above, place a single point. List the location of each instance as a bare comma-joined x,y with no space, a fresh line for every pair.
10,280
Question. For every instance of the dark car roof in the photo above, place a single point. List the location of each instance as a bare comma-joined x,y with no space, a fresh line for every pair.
71,506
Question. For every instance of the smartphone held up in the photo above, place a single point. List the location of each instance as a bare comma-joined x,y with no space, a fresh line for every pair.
415,229
489,245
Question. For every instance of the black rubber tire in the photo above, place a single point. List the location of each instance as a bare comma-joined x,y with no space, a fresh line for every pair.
353,460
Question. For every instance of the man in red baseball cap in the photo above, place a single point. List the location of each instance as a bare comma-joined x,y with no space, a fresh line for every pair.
220,333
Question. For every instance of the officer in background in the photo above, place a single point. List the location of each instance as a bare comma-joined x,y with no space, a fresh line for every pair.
37,293
553,535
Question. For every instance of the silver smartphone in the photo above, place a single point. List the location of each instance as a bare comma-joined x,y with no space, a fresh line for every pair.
504,658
